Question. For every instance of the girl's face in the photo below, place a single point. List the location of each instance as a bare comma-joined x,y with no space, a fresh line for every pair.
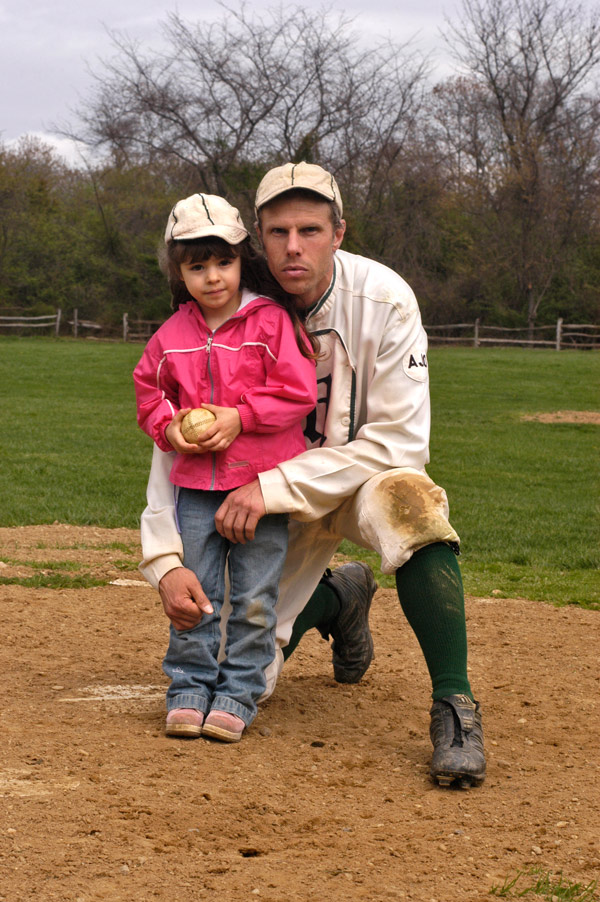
215,285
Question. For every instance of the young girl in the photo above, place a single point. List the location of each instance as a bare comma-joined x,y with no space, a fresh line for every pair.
246,358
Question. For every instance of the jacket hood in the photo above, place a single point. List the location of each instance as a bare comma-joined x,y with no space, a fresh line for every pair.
250,302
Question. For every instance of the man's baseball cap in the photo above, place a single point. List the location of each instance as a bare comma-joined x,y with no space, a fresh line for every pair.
298,175
203,216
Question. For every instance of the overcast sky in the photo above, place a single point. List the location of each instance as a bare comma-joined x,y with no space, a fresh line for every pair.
47,46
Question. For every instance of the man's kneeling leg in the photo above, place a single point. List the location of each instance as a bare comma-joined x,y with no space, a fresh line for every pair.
339,607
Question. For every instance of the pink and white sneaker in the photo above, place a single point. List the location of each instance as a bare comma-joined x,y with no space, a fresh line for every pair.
224,726
184,722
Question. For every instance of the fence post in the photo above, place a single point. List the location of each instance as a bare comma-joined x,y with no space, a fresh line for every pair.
476,334
58,316
559,324
125,326
75,322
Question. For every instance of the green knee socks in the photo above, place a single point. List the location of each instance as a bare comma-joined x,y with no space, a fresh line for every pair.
431,594
430,590
322,607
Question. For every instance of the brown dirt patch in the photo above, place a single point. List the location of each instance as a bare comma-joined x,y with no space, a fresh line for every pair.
566,416
328,794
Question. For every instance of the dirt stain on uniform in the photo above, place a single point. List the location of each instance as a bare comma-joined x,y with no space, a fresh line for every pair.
415,506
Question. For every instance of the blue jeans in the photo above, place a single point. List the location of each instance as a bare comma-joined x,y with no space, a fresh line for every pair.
236,684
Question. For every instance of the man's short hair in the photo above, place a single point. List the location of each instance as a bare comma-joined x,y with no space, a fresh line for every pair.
304,194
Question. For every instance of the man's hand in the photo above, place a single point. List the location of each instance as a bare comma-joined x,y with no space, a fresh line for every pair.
239,514
183,598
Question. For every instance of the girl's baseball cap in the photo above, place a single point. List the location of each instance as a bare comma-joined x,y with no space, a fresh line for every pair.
298,175
203,216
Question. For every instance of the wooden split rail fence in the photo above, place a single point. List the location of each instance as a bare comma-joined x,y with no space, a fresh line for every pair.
578,336
560,336
51,321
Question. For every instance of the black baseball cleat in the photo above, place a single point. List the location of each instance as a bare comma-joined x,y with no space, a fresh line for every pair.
352,645
457,735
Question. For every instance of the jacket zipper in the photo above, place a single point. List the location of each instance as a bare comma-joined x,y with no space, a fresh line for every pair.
209,342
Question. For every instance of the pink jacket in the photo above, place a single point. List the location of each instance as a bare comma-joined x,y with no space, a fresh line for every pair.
251,362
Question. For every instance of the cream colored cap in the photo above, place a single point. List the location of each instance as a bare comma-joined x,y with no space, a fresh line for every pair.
298,175
203,216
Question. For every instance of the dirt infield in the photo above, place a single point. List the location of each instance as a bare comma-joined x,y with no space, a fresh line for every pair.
327,796
566,416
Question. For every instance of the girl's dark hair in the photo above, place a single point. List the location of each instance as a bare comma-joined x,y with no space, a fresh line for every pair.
256,277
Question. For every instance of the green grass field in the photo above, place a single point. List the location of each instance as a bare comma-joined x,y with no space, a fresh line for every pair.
523,494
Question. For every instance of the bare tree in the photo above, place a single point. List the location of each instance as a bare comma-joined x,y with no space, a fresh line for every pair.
463,126
522,127
230,97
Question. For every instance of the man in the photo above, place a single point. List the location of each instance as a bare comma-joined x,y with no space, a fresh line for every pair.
362,476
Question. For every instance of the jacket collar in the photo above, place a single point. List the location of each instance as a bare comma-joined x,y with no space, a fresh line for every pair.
250,301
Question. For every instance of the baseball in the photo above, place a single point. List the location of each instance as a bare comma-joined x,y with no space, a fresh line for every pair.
195,423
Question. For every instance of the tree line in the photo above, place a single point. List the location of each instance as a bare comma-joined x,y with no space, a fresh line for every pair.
481,189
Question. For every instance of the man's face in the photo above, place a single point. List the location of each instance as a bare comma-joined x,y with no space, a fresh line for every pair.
299,242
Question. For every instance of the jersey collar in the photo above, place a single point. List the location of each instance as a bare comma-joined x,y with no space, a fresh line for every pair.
315,309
